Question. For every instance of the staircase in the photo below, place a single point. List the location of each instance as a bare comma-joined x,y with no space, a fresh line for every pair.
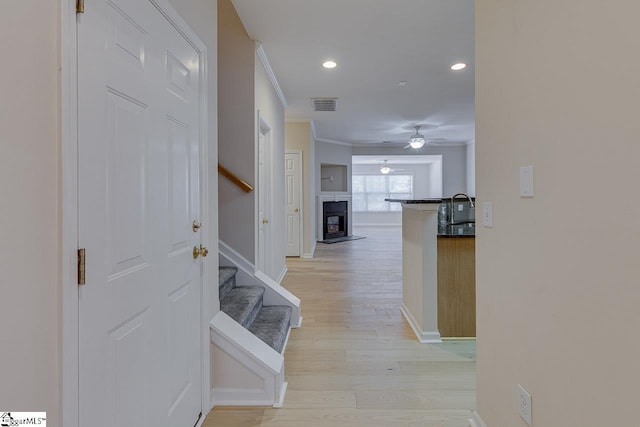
244,304
248,336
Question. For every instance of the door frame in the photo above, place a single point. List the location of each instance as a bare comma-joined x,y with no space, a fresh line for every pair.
300,196
263,127
69,351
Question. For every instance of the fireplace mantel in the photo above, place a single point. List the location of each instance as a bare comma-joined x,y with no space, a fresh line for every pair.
332,197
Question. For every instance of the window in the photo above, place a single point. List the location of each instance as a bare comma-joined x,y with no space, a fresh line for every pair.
369,192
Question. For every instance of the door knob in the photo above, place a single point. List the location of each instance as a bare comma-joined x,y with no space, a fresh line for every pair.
265,221
195,226
202,250
296,210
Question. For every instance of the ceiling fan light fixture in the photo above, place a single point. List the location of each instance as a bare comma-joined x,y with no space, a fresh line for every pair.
385,169
417,140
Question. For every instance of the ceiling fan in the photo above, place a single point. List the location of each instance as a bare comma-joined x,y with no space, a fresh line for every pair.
385,169
417,140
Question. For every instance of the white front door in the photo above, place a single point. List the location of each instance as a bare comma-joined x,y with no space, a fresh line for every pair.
263,263
293,186
138,174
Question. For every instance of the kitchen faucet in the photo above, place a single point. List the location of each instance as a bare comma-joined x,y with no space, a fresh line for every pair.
452,208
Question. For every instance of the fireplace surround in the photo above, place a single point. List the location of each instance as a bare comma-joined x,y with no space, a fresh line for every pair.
319,217
335,219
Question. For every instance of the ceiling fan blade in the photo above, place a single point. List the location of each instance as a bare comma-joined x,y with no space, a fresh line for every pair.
406,146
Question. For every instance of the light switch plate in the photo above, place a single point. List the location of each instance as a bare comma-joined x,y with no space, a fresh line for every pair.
526,181
487,214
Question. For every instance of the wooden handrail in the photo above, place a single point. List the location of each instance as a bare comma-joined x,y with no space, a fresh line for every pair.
247,188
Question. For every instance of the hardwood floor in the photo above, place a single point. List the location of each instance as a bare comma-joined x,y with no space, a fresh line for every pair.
355,361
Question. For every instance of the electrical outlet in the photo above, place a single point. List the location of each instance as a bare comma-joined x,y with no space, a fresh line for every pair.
524,404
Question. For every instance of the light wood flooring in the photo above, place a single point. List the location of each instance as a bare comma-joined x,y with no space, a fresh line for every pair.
355,361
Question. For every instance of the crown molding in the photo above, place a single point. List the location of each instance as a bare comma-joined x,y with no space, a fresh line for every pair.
331,141
272,76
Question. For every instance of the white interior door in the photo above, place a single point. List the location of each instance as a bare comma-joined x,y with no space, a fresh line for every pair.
264,188
138,174
293,200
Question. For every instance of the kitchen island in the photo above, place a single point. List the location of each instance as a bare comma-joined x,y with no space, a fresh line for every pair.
438,292
457,285
420,267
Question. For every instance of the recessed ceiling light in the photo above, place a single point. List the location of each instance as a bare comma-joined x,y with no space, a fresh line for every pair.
459,66
402,83
329,64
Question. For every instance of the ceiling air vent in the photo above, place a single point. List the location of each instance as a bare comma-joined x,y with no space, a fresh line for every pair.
324,104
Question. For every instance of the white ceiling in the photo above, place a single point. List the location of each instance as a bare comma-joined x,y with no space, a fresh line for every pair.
376,43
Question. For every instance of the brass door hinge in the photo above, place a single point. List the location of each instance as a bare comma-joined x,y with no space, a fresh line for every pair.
81,266
79,6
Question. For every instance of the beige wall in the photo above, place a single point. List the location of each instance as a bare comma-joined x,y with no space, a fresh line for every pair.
30,241
298,137
236,129
272,112
557,276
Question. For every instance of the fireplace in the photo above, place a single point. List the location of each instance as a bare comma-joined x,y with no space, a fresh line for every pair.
334,219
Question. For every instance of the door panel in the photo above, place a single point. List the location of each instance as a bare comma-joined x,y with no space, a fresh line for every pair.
179,197
138,174
263,262
179,344
293,203
127,183
129,370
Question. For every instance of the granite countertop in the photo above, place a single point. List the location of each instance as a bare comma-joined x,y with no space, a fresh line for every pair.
415,201
448,236
456,230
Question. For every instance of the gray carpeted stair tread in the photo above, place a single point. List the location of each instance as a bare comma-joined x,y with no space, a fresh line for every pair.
226,280
271,325
242,303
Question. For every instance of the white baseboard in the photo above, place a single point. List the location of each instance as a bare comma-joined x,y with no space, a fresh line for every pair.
283,391
281,275
476,421
297,325
425,337
309,255
235,257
